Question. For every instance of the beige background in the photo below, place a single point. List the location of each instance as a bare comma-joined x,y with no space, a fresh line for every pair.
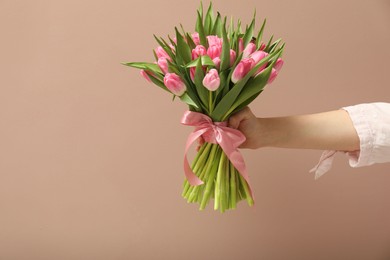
91,154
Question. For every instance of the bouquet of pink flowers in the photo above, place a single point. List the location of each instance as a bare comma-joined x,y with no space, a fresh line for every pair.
217,70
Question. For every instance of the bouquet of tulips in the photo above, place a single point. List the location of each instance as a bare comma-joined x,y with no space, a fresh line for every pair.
216,70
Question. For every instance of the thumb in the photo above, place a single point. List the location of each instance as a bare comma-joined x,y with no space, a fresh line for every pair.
237,118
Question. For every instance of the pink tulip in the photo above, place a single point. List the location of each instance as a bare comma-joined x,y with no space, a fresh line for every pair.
249,49
212,81
161,53
214,40
278,64
174,83
195,38
240,45
232,57
242,68
192,74
214,51
257,56
262,46
273,75
217,62
199,50
145,75
163,64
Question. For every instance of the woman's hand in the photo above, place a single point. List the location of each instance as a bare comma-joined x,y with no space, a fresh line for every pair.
250,126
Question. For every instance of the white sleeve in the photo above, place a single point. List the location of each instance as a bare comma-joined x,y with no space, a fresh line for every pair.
372,124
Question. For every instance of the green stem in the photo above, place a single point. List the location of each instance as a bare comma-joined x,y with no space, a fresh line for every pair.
210,183
249,198
239,198
217,199
227,185
211,103
241,190
209,163
233,187
197,165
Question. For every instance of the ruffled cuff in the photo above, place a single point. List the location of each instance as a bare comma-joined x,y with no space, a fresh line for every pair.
361,116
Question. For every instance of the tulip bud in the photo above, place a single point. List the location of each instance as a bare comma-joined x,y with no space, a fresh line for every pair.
174,83
278,64
273,75
232,57
145,75
212,81
192,74
257,56
217,62
214,40
242,68
249,49
163,64
262,46
199,50
214,51
240,45
195,38
161,53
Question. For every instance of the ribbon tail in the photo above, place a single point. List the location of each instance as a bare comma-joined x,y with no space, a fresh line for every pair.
324,164
190,175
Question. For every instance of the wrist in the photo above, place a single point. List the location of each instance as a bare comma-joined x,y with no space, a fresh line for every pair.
271,132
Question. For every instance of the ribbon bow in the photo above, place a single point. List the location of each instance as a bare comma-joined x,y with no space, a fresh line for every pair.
217,133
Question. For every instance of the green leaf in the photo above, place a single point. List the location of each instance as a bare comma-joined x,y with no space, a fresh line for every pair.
225,55
223,87
183,51
166,47
253,87
273,46
190,41
260,34
159,83
191,92
145,66
206,61
249,31
200,9
238,29
231,28
246,103
217,28
219,113
142,65
202,91
238,59
269,44
200,29
186,99
172,67
208,23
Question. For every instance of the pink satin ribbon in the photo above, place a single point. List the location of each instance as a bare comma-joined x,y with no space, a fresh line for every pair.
217,133
324,164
